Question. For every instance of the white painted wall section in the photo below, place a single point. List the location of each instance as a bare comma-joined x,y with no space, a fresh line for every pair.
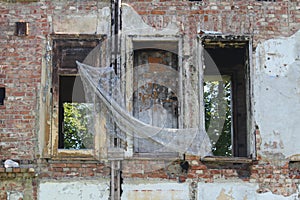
155,191
78,24
75,190
277,95
236,191
227,191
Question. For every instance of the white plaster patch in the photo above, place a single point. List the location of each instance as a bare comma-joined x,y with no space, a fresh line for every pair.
75,190
83,24
227,191
75,24
14,195
269,195
155,190
277,95
278,54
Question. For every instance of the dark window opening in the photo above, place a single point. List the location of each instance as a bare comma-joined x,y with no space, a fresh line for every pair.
225,78
21,29
74,114
155,97
2,96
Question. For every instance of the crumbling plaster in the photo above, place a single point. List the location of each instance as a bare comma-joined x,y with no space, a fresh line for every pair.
236,190
93,23
277,96
154,190
276,76
74,189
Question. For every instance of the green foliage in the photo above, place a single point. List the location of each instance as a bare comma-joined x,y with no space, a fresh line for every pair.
76,129
217,99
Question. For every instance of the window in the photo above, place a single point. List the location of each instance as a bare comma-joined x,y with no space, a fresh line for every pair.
155,99
226,97
71,120
2,96
154,90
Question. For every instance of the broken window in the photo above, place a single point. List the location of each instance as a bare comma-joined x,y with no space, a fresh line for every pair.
74,113
155,96
225,94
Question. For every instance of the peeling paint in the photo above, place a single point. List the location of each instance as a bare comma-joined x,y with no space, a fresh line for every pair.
75,189
236,191
156,190
276,93
224,196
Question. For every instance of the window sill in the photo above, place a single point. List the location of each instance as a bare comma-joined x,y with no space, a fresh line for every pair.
241,160
71,154
155,156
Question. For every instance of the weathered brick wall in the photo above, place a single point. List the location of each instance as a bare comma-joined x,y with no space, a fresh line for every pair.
21,61
261,19
70,169
20,68
17,182
280,180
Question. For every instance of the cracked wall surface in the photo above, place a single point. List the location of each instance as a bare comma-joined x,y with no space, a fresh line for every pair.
273,170
277,95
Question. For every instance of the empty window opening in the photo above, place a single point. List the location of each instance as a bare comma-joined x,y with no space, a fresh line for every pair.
218,113
2,96
21,29
155,97
74,113
225,101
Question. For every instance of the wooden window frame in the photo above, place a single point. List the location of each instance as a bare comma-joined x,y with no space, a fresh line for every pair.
250,132
136,41
59,42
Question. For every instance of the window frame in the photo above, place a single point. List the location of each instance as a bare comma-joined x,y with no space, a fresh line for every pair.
250,133
81,41
132,42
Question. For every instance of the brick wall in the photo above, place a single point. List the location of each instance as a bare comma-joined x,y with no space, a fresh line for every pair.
21,61
258,18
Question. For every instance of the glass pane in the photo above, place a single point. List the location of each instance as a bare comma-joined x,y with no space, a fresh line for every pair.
218,115
77,126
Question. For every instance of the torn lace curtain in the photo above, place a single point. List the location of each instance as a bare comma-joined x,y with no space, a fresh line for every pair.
102,85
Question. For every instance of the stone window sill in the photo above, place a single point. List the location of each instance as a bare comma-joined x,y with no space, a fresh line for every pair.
240,160
155,156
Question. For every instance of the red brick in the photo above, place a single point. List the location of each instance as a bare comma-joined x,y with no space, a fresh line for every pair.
74,165
198,167
158,12
17,170
59,165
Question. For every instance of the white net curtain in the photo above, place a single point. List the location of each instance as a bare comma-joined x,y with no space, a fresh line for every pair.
102,85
